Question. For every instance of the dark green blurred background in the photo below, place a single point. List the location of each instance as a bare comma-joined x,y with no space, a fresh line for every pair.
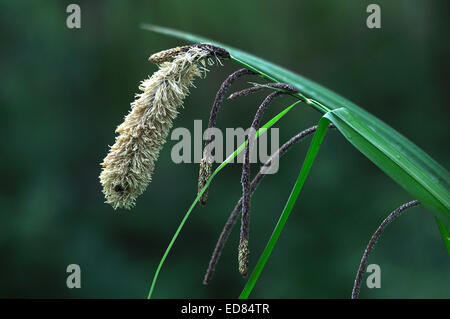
63,92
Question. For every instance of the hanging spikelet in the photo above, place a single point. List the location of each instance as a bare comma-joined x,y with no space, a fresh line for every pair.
128,167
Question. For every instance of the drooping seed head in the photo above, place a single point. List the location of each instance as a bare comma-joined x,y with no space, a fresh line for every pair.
128,167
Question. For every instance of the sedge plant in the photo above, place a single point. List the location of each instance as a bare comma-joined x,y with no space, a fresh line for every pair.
127,168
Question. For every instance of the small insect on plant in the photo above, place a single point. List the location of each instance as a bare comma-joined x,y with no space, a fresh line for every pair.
128,167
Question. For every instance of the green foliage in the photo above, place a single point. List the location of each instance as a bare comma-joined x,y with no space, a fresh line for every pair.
403,161
399,158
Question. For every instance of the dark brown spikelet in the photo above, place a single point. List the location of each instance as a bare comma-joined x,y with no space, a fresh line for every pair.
207,160
237,209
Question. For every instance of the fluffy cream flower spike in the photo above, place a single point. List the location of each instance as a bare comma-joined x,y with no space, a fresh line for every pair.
128,167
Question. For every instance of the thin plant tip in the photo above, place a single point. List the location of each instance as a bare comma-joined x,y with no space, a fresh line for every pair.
170,54
204,174
228,227
283,87
243,257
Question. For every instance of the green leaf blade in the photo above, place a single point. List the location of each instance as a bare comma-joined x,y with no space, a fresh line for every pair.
431,179
392,161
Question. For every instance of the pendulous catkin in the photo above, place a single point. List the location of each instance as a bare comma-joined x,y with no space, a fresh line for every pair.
128,167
